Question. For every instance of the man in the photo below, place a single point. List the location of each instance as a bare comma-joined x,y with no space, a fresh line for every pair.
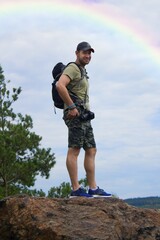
73,89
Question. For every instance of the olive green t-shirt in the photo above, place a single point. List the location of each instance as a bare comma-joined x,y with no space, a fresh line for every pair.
78,85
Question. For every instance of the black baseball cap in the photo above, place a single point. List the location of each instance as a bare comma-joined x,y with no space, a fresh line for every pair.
84,46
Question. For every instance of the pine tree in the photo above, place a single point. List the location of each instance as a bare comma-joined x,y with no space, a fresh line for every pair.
21,158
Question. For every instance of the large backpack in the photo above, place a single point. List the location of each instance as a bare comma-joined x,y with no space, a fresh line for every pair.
56,73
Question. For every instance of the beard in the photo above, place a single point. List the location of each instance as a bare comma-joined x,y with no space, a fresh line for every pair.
84,61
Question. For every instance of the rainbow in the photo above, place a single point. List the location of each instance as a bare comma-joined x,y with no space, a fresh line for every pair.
105,15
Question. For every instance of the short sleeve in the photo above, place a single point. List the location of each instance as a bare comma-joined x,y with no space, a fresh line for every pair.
72,71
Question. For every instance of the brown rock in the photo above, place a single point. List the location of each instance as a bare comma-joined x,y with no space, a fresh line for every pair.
31,218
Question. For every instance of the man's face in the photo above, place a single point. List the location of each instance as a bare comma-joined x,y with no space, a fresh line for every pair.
84,57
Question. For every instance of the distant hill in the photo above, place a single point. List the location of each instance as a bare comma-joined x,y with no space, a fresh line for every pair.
146,202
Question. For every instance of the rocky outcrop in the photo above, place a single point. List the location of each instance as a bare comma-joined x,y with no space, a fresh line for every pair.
31,218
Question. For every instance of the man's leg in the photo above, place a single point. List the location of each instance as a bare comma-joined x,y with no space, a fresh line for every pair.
72,166
89,165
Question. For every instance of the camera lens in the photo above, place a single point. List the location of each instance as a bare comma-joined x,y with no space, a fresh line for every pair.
86,115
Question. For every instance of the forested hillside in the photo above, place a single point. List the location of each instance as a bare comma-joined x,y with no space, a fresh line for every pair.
147,202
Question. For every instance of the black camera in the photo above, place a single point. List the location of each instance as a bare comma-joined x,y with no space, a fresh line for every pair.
86,115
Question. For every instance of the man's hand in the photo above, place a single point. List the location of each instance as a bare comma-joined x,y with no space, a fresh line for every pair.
72,113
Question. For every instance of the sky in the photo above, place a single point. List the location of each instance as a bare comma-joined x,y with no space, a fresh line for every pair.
124,83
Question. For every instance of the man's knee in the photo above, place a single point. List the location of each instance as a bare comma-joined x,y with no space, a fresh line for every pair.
91,151
73,151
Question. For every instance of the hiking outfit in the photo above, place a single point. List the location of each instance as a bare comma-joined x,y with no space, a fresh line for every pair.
80,133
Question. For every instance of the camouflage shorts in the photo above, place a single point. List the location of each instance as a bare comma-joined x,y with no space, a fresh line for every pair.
80,134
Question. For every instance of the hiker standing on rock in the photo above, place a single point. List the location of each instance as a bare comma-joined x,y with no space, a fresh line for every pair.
73,86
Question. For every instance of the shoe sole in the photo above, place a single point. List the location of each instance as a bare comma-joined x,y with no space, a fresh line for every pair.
99,196
80,196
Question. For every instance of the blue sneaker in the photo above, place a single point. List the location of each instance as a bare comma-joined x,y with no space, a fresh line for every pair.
80,193
99,193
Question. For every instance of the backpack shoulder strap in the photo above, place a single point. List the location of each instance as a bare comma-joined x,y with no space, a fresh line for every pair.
80,68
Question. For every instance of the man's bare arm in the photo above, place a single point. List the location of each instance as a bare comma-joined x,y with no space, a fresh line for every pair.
61,86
